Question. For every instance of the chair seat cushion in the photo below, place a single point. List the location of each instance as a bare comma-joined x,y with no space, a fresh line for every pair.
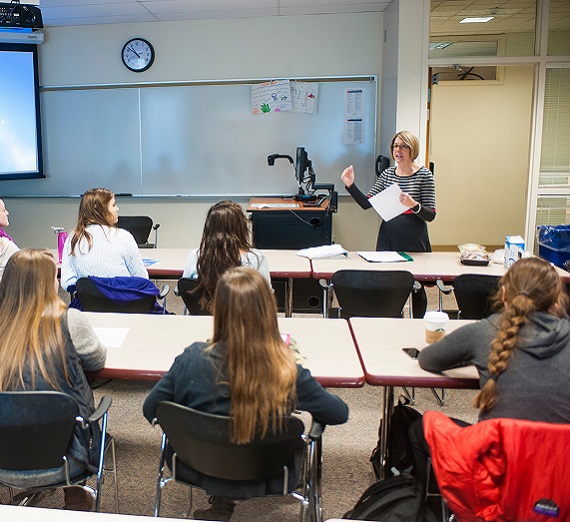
45,477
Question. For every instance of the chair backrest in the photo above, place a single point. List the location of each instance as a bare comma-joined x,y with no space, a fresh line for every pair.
139,226
191,298
501,469
372,293
202,441
473,293
36,429
117,294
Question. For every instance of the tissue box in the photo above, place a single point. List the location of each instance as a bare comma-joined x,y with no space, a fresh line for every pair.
514,248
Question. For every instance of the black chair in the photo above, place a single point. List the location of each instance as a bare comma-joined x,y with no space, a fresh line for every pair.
140,227
202,442
473,293
372,293
94,300
377,293
186,289
37,428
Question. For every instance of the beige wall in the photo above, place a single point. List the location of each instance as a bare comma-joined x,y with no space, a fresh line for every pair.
276,47
480,137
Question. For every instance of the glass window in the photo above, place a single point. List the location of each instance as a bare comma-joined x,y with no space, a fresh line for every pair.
509,31
559,28
555,154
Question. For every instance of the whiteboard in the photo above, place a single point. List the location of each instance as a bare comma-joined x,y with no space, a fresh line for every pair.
192,140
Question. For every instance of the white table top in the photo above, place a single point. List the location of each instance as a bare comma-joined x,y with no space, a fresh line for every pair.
36,514
282,263
380,343
426,266
153,341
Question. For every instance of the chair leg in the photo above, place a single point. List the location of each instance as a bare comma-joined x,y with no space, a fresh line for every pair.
440,400
411,396
101,466
113,471
161,483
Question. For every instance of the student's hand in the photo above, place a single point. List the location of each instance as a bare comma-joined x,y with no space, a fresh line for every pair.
347,176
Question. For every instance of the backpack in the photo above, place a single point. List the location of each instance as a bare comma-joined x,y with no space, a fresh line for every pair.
399,455
395,499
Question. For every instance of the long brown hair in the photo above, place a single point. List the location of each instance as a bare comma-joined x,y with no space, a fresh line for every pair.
260,366
93,210
224,238
30,320
530,285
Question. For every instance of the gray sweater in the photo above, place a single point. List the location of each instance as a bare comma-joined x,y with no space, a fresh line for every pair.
535,384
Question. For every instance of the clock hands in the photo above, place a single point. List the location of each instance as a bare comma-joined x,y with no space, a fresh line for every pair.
132,50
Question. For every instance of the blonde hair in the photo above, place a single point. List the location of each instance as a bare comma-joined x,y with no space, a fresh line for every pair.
93,210
30,321
530,285
410,140
260,367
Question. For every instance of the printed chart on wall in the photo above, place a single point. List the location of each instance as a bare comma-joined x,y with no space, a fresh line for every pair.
354,114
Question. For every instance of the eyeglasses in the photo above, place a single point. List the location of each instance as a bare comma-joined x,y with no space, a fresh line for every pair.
399,146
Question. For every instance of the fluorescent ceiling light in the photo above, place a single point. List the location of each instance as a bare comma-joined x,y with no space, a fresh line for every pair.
476,20
438,45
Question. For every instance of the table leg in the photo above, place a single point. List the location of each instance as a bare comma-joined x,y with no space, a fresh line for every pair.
327,297
387,410
289,297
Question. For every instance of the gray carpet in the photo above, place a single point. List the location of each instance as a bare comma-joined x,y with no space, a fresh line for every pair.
346,451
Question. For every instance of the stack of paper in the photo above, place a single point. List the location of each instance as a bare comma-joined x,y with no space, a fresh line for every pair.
323,252
385,257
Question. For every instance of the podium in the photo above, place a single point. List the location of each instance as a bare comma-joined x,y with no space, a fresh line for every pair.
283,223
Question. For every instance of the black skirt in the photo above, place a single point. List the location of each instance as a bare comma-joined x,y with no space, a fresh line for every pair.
404,233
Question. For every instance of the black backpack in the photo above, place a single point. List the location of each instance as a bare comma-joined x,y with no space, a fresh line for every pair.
400,455
395,499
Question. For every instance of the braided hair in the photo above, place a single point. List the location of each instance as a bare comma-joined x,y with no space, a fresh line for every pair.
530,285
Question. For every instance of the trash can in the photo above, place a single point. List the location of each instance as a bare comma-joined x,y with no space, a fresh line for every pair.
554,243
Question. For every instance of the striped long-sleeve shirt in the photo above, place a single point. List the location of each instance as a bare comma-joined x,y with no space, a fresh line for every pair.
419,185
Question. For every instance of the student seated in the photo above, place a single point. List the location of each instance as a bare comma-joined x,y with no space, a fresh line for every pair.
7,245
46,346
97,247
225,244
246,371
522,353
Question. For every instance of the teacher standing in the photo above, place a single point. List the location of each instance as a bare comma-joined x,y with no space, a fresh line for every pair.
408,231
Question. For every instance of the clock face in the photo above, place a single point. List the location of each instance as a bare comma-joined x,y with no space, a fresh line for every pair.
138,55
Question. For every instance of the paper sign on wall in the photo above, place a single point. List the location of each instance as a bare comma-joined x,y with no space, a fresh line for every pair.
273,96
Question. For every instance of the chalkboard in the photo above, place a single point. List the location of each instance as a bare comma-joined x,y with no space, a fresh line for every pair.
192,140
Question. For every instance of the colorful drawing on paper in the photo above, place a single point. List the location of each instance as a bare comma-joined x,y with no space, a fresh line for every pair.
273,96
305,97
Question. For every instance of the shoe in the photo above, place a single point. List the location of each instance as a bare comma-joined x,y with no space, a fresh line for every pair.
79,498
222,509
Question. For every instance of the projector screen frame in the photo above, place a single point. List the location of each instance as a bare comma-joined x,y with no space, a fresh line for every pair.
38,172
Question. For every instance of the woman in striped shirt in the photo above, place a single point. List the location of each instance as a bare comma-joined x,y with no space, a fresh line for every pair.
407,232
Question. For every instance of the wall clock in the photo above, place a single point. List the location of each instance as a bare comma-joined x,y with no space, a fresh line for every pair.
138,54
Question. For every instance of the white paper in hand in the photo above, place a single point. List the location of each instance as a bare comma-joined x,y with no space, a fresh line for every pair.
387,203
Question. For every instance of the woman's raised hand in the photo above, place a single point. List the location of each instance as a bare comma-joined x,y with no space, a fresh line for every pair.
347,176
